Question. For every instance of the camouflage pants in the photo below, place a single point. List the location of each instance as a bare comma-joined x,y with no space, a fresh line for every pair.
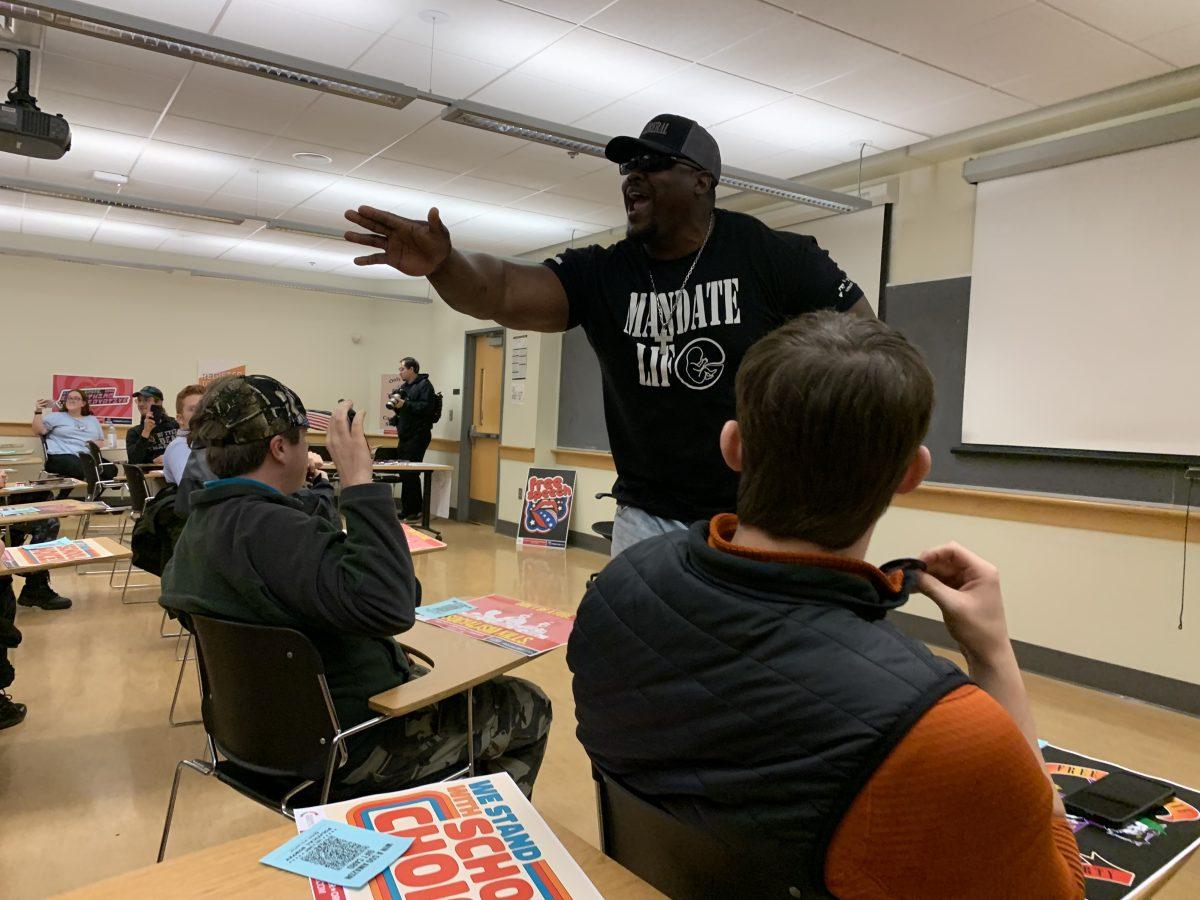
512,723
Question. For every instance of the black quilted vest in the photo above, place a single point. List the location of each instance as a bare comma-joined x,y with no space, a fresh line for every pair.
753,699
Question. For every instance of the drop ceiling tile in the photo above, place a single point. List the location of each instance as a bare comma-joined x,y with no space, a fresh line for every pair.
268,184
623,117
602,186
172,164
446,145
376,16
195,244
109,53
793,164
294,32
402,174
1181,46
901,24
168,193
209,136
796,54
470,188
739,148
1041,55
358,126
984,105
116,85
551,203
570,10
691,29
57,205
125,234
501,34
94,148
408,63
706,95
260,252
597,62
540,98
89,111
238,100
56,224
538,166
1133,21
198,15
886,90
282,150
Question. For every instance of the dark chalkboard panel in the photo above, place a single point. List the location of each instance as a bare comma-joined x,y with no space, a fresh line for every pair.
580,397
933,315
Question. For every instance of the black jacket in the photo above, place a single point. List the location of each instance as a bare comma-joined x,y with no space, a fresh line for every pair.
251,554
415,418
753,699
143,450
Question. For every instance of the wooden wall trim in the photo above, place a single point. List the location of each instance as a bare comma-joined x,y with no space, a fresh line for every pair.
445,445
1140,520
16,429
584,459
519,454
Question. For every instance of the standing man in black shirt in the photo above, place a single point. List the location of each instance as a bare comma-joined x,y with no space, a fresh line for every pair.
413,409
670,311
148,440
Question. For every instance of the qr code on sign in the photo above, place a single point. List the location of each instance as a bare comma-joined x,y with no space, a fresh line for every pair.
332,852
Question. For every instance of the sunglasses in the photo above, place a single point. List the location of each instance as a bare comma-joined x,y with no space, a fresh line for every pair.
655,162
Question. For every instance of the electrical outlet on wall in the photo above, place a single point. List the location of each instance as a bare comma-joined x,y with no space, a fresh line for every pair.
520,493
451,415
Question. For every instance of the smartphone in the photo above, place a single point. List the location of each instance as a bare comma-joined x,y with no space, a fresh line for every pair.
349,413
1117,799
157,413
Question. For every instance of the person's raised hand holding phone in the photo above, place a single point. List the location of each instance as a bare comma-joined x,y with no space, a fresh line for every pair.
348,446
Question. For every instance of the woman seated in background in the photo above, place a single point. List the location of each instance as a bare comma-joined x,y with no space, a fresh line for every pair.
67,428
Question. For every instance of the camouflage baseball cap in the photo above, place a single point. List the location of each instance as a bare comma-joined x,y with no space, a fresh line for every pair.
242,409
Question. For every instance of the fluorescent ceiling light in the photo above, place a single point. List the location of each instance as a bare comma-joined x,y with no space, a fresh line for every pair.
576,140
119,201
306,230
501,121
160,37
110,177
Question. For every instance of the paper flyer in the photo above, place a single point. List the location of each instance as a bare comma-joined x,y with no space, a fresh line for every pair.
62,550
419,542
1123,863
474,838
513,624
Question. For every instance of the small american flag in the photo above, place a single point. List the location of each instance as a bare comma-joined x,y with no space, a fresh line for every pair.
318,419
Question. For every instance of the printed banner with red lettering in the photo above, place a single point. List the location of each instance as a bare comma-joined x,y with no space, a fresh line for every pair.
546,515
473,838
111,399
388,385
1119,863
513,624
209,370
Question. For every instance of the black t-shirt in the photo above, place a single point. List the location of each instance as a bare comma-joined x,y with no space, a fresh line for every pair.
668,367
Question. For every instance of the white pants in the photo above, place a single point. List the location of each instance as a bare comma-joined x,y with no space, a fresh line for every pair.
632,525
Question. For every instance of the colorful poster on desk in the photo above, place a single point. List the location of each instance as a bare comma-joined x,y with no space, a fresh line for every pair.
546,513
1124,863
474,838
63,550
513,624
111,399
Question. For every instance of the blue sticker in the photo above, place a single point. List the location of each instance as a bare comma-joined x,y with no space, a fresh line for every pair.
443,609
338,854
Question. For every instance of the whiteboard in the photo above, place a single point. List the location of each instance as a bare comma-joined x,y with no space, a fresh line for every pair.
1085,316
855,242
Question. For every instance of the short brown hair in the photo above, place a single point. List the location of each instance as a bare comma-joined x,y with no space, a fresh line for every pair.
189,391
85,410
832,409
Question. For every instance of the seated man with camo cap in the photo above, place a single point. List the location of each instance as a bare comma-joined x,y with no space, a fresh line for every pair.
253,552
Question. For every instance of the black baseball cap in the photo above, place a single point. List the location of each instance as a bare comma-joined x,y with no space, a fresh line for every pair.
149,391
671,136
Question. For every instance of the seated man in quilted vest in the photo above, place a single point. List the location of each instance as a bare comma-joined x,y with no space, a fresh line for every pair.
744,676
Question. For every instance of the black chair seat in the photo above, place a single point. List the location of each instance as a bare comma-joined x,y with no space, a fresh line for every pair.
604,529
269,790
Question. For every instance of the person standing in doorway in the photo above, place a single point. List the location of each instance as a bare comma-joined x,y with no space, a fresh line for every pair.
670,311
412,414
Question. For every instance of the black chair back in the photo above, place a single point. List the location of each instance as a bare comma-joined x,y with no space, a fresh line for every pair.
386,454
265,703
91,474
678,859
136,482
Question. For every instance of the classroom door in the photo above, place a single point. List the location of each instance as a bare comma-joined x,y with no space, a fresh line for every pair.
487,395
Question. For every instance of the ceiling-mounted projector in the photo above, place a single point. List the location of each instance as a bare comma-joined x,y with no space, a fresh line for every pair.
25,129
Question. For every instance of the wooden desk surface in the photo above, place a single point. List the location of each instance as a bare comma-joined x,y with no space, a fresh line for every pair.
53,509
400,467
462,662
114,550
233,870
59,484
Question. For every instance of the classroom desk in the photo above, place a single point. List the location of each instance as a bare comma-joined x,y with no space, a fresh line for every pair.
115,551
462,663
59,484
426,471
233,870
55,509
